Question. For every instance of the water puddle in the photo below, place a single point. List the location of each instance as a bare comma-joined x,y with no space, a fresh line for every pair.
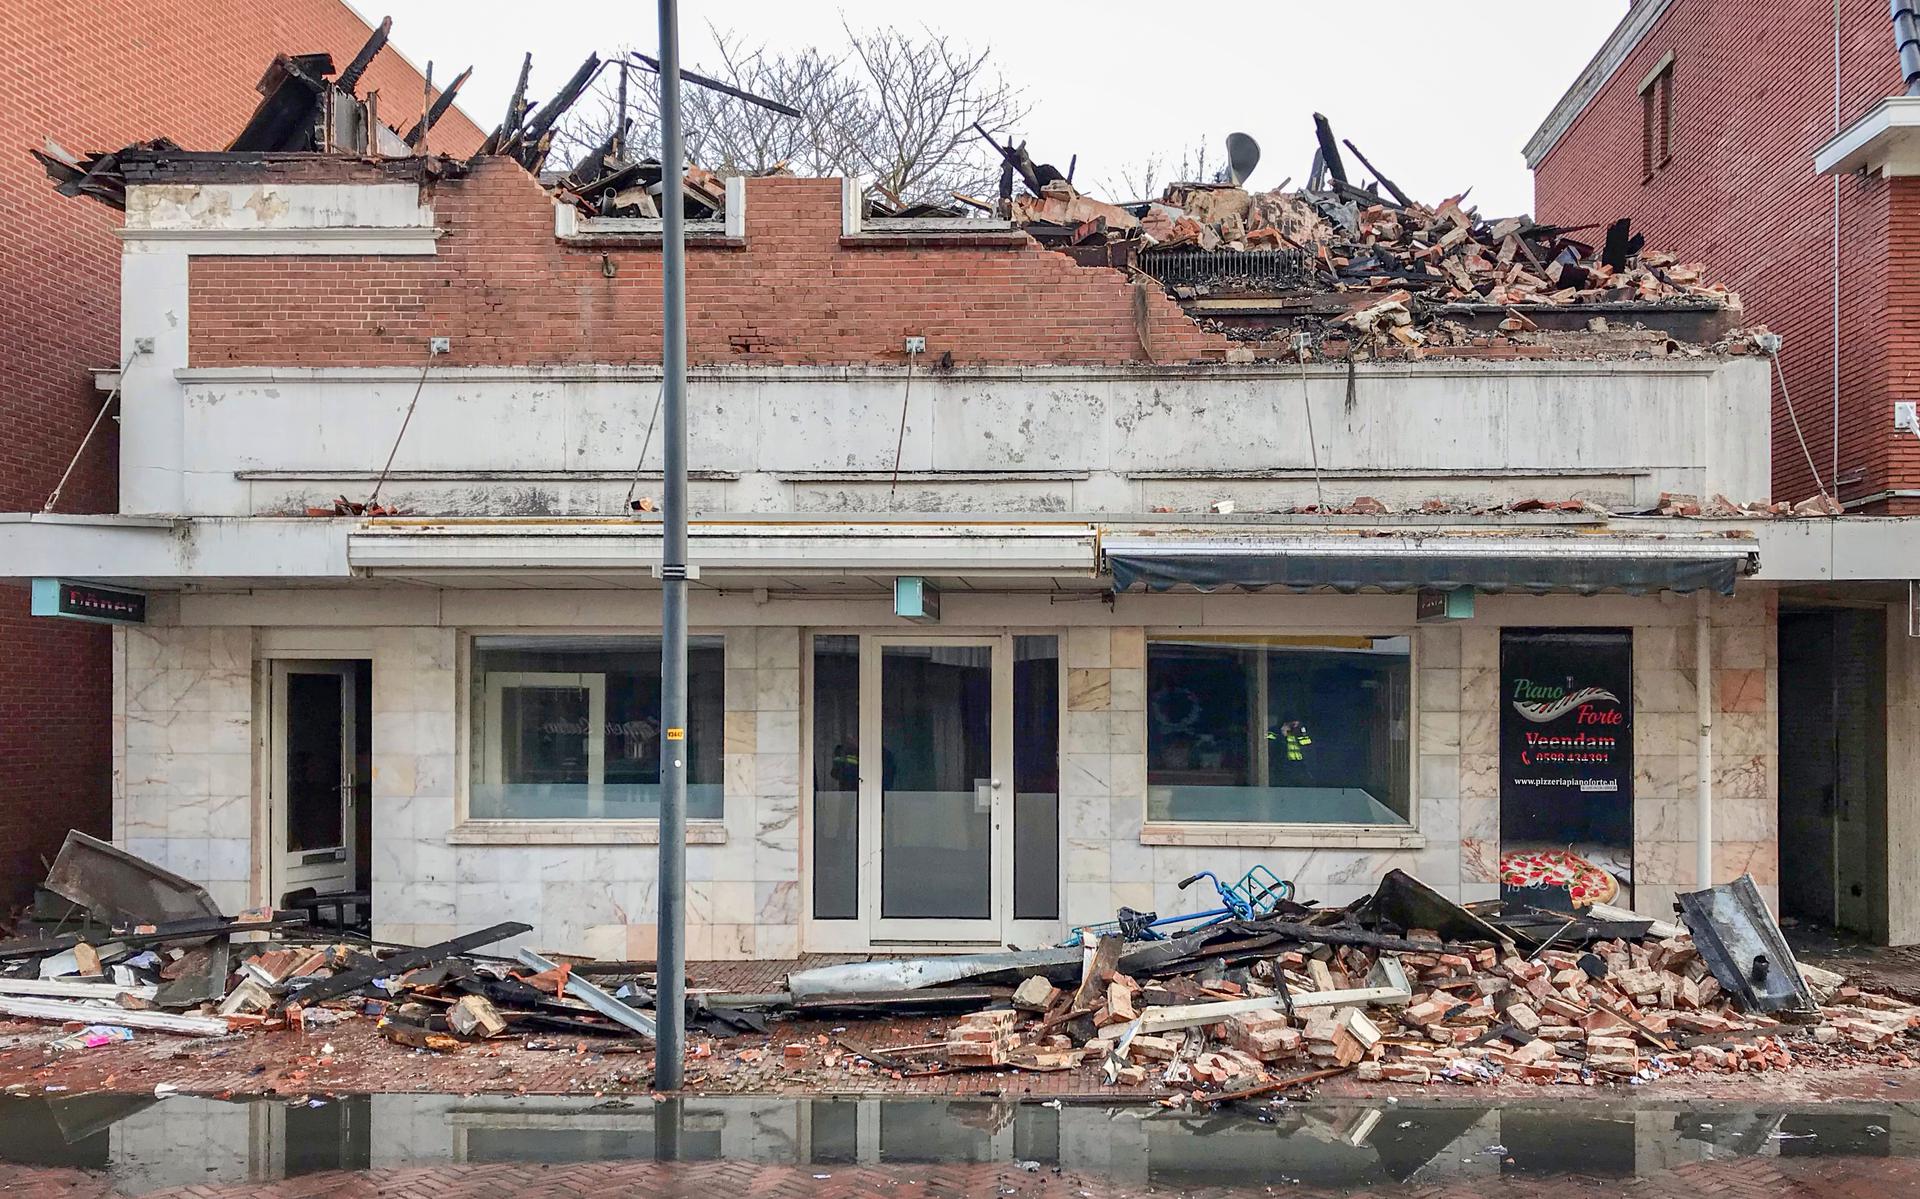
143,1144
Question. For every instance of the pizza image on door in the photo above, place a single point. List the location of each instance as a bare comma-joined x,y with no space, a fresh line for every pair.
1586,882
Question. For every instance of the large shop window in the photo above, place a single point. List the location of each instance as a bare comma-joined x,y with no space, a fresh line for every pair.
1279,730
568,728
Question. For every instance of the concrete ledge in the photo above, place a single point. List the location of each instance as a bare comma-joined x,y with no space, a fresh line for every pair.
1283,836
579,832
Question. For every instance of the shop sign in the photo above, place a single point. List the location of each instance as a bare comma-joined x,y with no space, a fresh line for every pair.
916,599
86,601
1566,766
1439,607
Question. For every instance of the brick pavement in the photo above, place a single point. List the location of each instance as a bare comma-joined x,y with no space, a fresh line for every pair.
1735,1178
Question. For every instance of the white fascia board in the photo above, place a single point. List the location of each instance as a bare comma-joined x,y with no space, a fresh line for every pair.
163,550
1847,549
1886,141
807,549
1612,55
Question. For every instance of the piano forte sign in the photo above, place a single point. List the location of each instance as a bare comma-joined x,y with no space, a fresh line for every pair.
1566,765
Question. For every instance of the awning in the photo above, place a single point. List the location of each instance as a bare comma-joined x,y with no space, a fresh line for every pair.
1582,563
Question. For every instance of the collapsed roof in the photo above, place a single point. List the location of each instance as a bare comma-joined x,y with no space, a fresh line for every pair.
1366,268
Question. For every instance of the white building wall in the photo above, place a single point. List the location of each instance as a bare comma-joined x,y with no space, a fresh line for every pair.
191,800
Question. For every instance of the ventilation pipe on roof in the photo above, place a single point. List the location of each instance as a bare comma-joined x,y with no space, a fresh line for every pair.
1906,35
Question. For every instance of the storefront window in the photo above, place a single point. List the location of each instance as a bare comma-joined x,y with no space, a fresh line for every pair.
568,728
1279,730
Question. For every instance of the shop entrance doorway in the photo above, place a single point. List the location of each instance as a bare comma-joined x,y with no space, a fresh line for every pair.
321,757
935,800
1833,775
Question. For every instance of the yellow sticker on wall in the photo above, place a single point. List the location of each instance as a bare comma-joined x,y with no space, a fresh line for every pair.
676,734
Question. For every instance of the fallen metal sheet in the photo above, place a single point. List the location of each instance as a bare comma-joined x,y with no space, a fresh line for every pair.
912,974
888,976
1742,944
919,998
1404,900
613,1009
121,887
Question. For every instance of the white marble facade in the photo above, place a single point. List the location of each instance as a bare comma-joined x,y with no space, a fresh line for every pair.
188,795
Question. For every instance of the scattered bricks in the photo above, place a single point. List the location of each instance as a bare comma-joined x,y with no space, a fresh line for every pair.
1523,1018
1485,959
1686,994
1540,1072
1036,994
1520,970
1440,1034
1600,1021
1492,985
1419,1015
1120,1002
1370,1071
1131,1076
473,1016
793,1052
1321,975
1405,1072
1826,1034
1709,990
1534,1052
1264,1035
1700,1022
1569,978
1709,1057
1453,963
1558,1005
1560,1033
1148,1048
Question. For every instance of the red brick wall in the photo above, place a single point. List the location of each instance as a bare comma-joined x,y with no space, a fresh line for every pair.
1753,99
509,293
93,75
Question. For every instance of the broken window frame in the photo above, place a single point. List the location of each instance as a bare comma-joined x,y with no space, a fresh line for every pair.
476,715
1656,119
1404,773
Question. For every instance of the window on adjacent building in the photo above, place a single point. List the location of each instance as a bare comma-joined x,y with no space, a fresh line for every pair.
1656,119
568,728
1280,729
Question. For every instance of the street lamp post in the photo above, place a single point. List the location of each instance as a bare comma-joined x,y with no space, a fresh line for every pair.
670,1005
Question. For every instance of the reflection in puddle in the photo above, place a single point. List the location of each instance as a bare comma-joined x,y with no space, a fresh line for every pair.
145,1144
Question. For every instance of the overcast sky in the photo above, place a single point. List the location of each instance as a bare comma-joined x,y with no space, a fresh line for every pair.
1441,97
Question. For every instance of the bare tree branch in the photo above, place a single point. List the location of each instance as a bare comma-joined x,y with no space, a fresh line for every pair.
893,107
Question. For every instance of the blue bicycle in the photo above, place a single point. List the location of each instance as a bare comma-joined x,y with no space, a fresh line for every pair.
1254,897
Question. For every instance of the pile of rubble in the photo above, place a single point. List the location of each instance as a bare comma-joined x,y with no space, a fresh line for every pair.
1479,994
1409,276
1405,987
155,954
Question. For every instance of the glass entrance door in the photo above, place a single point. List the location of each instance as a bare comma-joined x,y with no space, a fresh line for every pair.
936,808
315,775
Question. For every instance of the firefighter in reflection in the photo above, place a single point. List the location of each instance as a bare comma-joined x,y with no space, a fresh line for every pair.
1287,746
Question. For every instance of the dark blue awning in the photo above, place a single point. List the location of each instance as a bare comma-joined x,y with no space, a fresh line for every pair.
1582,563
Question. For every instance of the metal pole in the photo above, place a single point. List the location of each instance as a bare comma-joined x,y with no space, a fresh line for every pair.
671,1003
1703,764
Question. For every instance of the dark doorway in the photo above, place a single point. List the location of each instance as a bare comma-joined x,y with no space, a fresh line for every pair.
1833,772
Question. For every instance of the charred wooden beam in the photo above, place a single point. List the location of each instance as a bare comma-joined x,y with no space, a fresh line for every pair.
361,61
439,109
1329,148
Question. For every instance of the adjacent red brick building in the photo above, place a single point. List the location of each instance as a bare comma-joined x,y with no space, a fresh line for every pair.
90,74
1701,121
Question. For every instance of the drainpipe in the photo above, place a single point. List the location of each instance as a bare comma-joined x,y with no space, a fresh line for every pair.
1703,692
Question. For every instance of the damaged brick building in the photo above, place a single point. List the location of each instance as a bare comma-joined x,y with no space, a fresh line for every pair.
1029,585
1779,152
196,65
